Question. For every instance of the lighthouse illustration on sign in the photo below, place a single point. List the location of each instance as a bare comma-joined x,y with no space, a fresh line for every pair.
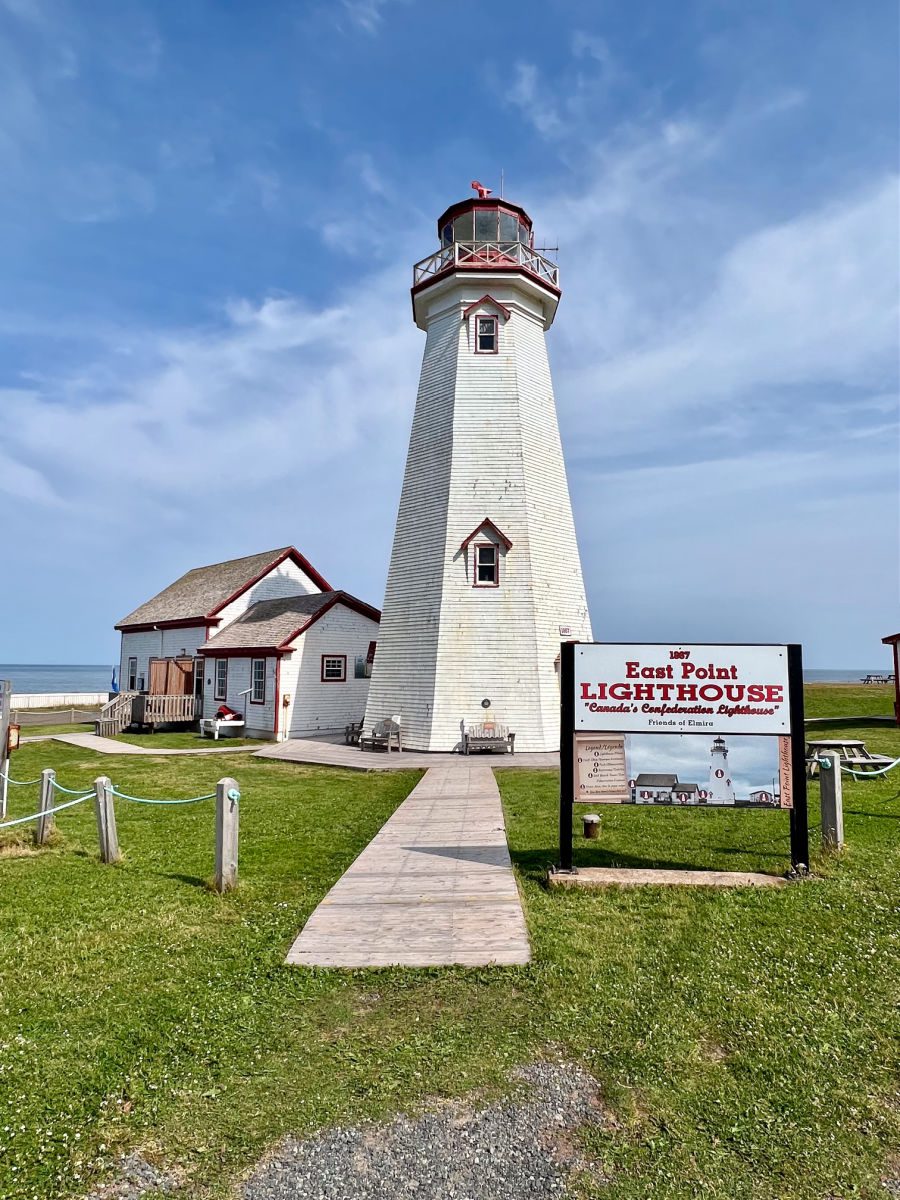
484,579
721,788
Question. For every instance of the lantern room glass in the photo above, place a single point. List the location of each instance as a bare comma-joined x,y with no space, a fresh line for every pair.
486,225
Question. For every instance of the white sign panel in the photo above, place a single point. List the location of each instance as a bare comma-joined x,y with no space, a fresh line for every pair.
682,689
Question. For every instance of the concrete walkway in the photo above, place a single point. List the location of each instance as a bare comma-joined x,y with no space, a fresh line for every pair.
103,745
435,887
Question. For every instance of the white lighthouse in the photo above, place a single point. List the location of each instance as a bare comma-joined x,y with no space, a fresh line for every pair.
721,788
484,579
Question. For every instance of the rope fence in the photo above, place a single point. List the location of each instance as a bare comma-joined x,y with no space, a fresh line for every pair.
104,793
145,800
18,782
870,774
46,812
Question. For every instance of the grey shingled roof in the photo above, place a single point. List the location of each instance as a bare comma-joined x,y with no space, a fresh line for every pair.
268,622
686,787
656,781
200,591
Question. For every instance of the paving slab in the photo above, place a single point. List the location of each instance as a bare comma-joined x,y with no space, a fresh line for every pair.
597,877
435,887
332,752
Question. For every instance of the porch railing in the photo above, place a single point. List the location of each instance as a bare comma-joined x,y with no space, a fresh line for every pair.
158,710
477,255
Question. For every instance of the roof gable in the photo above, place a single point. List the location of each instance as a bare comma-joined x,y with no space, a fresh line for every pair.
199,595
488,524
487,298
272,625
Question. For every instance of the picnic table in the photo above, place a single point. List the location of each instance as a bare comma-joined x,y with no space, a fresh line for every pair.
852,751
878,678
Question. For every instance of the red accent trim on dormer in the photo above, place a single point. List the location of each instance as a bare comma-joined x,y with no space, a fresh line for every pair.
303,563
487,298
487,523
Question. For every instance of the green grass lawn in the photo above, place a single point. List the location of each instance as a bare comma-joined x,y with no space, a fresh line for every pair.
28,731
746,1041
183,741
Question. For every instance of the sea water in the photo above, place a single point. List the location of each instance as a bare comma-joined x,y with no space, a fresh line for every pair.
50,677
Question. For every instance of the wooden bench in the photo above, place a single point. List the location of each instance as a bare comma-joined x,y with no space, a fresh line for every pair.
210,726
352,733
489,737
384,735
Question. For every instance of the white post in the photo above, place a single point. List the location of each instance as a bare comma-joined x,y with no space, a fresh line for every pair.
227,796
45,821
106,820
4,785
831,799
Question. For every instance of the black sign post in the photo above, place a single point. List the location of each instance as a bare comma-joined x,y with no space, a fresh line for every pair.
566,752
799,817
799,822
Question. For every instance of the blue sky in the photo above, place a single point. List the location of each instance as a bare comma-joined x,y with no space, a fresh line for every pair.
208,218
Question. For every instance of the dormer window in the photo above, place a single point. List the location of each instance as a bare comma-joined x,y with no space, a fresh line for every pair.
487,565
483,549
485,335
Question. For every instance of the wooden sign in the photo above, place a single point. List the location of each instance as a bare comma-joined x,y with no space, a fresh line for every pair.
600,773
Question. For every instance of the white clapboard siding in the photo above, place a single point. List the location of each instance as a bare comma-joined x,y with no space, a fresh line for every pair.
259,718
157,643
484,443
287,579
315,706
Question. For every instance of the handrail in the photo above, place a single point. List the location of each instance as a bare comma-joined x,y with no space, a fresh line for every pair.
487,254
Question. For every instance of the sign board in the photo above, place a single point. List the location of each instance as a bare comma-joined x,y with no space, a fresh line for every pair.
682,725
600,773
682,689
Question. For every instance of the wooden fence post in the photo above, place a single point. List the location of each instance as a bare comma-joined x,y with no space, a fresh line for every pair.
106,820
831,798
44,826
227,795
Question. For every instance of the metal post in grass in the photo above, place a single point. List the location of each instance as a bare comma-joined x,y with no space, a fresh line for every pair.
44,826
227,796
831,799
106,820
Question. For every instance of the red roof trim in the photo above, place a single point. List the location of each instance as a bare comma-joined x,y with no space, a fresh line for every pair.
181,623
890,639
303,563
344,598
487,523
243,652
489,299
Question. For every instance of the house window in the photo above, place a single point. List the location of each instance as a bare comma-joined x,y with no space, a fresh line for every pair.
485,335
221,691
132,675
334,668
258,681
487,566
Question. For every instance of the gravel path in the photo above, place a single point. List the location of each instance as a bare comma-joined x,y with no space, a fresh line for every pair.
518,1149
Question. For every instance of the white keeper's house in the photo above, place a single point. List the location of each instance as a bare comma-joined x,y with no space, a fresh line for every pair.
265,635
484,580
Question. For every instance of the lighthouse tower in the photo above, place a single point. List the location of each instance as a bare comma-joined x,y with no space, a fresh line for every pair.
484,579
720,786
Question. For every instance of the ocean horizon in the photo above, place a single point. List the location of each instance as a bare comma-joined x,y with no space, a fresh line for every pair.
96,677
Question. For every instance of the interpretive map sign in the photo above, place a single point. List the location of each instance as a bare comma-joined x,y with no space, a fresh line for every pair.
600,772
685,725
682,689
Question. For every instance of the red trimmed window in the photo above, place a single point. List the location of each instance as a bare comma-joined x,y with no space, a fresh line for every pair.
257,681
132,675
221,691
334,668
486,336
487,565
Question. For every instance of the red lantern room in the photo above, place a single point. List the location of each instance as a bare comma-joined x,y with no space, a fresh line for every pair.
487,234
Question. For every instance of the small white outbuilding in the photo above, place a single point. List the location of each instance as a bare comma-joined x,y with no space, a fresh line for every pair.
265,635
